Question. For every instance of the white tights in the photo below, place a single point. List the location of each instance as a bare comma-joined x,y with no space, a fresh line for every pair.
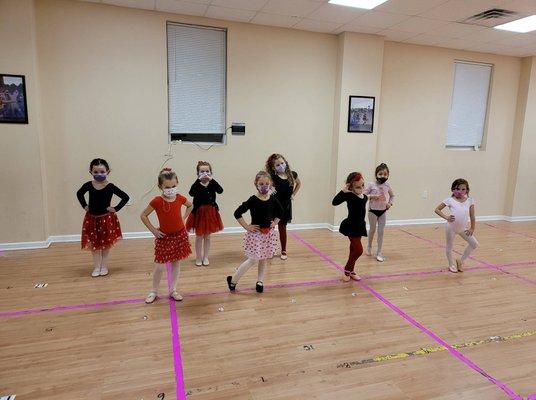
472,244
246,265
202,247
380,221
159,270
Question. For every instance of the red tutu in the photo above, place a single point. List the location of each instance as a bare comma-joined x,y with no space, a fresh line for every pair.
172,247
100,232
205,221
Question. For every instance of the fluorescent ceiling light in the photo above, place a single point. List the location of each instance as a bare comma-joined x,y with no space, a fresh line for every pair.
522,25
367,4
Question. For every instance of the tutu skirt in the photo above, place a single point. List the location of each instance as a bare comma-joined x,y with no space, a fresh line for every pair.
260,246
205,221
100,232
172,247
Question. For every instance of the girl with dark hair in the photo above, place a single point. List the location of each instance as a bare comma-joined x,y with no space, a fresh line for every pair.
354,226
101,228
462,209
287,184
381,199
205,218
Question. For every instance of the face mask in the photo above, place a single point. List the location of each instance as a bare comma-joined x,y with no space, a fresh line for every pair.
458,193
263,189
100,177
382,180
204,175
281,167
170,192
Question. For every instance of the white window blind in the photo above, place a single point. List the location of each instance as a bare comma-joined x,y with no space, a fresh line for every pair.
196,79
468,110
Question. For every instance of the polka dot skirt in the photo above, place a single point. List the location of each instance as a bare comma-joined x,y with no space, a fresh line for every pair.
100,232
172,247
260,246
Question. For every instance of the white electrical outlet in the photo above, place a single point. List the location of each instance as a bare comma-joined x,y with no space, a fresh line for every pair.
424,194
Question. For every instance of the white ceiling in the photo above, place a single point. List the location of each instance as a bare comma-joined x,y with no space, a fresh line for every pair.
426,22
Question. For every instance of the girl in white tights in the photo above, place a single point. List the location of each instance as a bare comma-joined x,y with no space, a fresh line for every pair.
462,209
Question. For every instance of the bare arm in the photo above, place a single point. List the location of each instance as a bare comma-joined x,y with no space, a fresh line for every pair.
189,208
297,187
471,230
147,222
438,211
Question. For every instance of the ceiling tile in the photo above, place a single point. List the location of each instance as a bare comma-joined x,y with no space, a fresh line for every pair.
429,40
522,6
143,4
492,35
181,7
409,7
317,26
334,13
230,14
275,20
252,5
396,36
457,30
521,40
418,25
379,19
458,10
353,27
299,8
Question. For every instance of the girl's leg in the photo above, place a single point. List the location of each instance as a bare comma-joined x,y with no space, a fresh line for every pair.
373,220
472,244
206,249
283,238
97,259
176,269
449,232
259,286
157,277
104,262
242,269
356,249
381,228
198,250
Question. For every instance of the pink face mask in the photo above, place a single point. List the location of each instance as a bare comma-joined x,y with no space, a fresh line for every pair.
458,193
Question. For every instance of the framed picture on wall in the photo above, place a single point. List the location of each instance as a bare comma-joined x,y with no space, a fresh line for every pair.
13,107
361,114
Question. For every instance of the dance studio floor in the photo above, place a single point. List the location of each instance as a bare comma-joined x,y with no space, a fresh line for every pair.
408,330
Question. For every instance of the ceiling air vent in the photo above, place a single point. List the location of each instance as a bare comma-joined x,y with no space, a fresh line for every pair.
491,18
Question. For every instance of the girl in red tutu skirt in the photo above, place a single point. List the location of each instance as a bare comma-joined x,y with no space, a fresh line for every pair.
205,218
100,229
171,243
260,243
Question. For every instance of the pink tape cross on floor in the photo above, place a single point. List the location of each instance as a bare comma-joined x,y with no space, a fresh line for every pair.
457,354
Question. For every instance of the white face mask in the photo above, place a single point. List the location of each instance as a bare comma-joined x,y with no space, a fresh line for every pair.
170,192
204,174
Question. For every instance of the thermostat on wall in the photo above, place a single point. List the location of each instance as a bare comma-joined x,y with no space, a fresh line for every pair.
238,128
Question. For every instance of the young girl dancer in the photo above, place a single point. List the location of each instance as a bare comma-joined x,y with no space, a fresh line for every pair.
287,184
462,208
354,225
100,229
381,199
171,243
260,242
205,218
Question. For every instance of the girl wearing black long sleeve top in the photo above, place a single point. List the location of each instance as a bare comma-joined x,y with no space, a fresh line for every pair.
100,229
354,225
205,217
260,243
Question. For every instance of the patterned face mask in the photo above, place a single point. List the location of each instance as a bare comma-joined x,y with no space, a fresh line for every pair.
100,177
281,167
263,189
170,192
204,174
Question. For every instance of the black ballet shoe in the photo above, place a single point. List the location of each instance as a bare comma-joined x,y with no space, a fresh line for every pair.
232,286
259,287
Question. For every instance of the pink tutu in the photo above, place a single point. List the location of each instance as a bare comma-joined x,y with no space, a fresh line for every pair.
260,246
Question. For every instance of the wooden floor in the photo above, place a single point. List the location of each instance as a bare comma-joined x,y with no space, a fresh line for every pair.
309,336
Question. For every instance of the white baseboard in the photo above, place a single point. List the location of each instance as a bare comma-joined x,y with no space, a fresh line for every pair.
239,229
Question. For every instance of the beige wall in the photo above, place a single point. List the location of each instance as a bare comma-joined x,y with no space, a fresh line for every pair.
21,197
105,95
416,89
97,87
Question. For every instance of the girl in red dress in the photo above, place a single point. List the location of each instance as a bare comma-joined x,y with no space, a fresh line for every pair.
171,243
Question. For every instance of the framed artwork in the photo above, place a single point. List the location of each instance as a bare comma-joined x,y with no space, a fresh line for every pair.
361,114
13,108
